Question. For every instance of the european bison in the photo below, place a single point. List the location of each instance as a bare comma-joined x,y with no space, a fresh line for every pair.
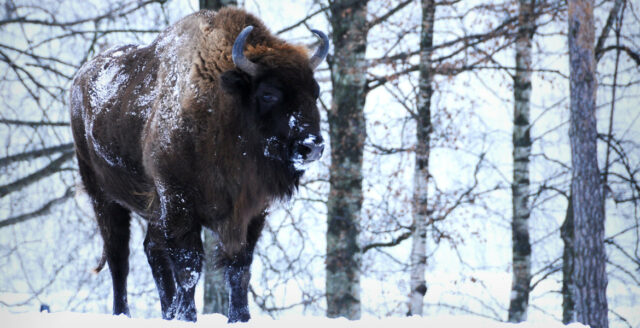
204,127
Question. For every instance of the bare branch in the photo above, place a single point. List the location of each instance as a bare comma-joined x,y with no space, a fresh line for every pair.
34,154
302,21
632,54
53,167
33,124
391,243
45,209
108,15
617,6
390,13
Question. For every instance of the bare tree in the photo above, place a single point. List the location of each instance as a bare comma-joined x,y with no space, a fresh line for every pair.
589,274
348,20
418,257
616,182
521,247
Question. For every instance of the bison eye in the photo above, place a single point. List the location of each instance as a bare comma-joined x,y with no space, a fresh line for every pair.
267,97
270,98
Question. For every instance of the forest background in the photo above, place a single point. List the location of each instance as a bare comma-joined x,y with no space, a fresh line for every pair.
427,106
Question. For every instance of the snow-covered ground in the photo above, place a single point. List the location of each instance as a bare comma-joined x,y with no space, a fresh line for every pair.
71,320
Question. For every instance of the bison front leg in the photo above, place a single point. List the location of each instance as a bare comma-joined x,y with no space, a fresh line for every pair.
237,272
186,254
179,236
237,276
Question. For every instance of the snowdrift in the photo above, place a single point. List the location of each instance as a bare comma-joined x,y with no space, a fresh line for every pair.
87,320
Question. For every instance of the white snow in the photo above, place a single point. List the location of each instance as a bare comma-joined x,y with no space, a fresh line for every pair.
270,143
144,100
107,84
106,155
173,80
292,121
71,320
76,100
309,139
105,88
299,162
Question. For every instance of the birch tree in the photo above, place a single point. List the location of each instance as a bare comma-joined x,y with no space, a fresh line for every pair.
418,258
521,246
347,132
589,274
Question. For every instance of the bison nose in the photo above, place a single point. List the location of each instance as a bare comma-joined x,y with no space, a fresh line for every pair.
311,149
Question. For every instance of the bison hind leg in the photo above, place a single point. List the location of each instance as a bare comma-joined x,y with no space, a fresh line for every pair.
160,264
113,221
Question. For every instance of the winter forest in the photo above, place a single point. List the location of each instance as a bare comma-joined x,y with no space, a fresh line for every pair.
482,158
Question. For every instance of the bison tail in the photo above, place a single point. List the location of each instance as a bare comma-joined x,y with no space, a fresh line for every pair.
100,265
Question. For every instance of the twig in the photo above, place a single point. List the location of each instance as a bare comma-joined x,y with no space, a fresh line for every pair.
53,167
34,154
45,209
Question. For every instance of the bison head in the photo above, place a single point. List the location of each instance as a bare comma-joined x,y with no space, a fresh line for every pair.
279,93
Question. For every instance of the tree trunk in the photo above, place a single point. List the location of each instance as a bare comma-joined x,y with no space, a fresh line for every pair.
217,4
521,152
566,232
417,282
347,131
589,274
216,294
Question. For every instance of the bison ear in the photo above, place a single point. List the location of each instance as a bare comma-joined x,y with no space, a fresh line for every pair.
235,82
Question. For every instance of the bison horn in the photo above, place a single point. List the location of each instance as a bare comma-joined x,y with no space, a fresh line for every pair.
237,54
322,51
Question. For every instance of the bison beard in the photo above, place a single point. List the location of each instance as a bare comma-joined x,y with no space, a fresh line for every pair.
205,127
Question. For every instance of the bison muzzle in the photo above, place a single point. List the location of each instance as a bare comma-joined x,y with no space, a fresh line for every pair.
204,127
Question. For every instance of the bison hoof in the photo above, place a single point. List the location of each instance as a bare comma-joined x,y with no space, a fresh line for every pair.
168,315
121,309
187,313
187,316
241,315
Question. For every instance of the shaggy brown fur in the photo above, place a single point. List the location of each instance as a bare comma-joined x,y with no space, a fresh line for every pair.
174,132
